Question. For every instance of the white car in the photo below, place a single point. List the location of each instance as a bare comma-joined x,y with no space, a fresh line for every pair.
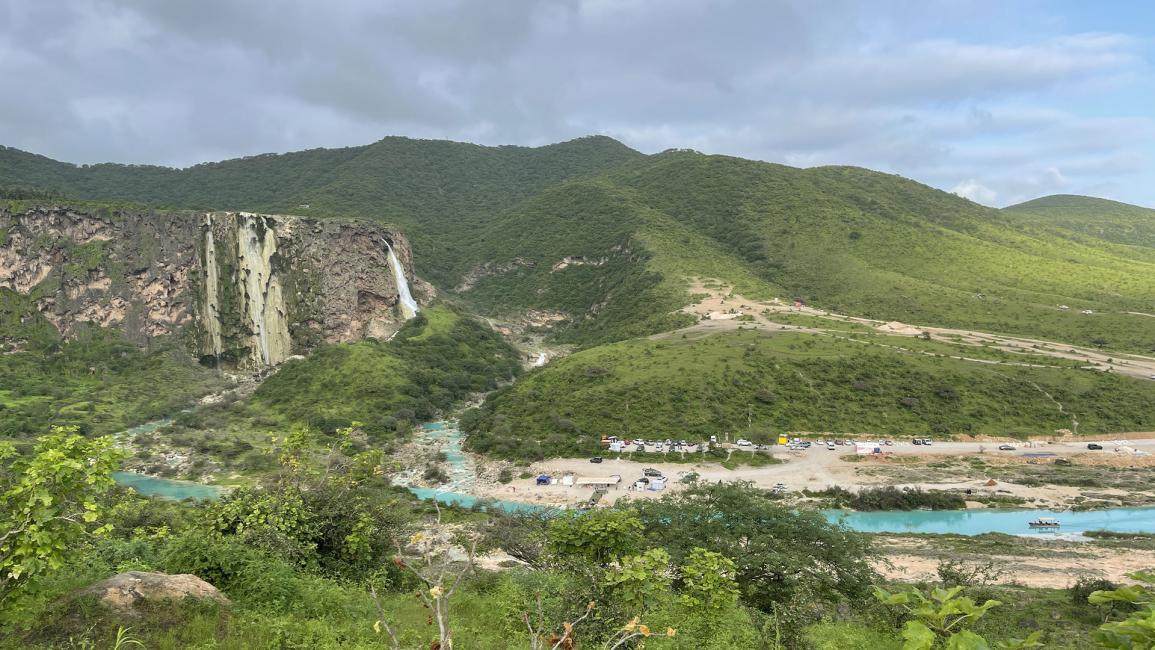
742,442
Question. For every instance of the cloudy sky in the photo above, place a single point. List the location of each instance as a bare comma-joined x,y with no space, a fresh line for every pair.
999,101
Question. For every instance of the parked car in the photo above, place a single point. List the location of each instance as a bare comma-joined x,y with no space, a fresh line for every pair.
805,444
596,459
650,471
1094,446
1006,447
888,443
916,441
927,441
742,442
830,447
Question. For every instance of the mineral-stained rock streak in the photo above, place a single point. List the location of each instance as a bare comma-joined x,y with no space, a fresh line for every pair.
238,289
211,313
264,303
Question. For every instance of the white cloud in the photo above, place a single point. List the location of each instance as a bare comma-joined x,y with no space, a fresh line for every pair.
975,191
922,90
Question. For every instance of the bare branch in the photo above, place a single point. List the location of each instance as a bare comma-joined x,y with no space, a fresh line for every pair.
381,618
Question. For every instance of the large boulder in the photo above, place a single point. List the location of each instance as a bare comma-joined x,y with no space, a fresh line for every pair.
123,592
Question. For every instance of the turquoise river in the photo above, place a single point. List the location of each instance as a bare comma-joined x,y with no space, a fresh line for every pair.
960,522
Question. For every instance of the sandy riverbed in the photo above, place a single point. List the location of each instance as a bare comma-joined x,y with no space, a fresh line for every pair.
1055,564
818,469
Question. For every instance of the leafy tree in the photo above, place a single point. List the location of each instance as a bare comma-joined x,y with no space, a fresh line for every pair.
49,502
319,513
599,536
638,578
1138,629
781,555
941,621
709,585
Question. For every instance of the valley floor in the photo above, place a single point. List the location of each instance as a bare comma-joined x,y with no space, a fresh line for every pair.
1114,476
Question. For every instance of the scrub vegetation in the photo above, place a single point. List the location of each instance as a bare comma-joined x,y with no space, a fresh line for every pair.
846,239
97,381
325,554
756,384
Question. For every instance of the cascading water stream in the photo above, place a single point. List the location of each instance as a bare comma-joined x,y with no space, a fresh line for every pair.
409,306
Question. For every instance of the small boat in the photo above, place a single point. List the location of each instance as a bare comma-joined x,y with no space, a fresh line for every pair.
1044,522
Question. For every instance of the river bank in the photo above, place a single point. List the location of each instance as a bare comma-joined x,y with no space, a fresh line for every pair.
976,471
1050,562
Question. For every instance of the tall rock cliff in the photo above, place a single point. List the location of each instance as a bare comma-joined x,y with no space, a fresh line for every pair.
243,290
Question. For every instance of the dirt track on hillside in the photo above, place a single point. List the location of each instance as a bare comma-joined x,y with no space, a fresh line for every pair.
720,310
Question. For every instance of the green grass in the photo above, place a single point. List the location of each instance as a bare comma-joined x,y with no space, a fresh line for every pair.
1084,217
437,359
97,381
755,384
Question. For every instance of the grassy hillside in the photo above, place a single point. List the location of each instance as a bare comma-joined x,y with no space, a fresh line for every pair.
1111,221
754,383
606,236
98,381
876,245
437,359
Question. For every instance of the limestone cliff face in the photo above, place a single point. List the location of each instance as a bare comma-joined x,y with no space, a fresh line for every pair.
241,289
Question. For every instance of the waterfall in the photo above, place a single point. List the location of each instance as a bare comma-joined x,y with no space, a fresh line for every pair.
264,304
409,307
211,316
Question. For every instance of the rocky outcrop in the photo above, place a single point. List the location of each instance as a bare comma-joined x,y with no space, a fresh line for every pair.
125,592
487,269
242,290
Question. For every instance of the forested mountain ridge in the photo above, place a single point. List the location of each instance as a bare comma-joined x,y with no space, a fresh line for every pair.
605,237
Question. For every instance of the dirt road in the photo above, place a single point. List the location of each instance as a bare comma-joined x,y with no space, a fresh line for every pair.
723,310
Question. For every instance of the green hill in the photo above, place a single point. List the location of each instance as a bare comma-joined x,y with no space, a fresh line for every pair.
1111,221
752,383
606,237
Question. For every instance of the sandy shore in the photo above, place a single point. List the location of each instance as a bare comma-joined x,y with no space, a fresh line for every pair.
818,469
1056,564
